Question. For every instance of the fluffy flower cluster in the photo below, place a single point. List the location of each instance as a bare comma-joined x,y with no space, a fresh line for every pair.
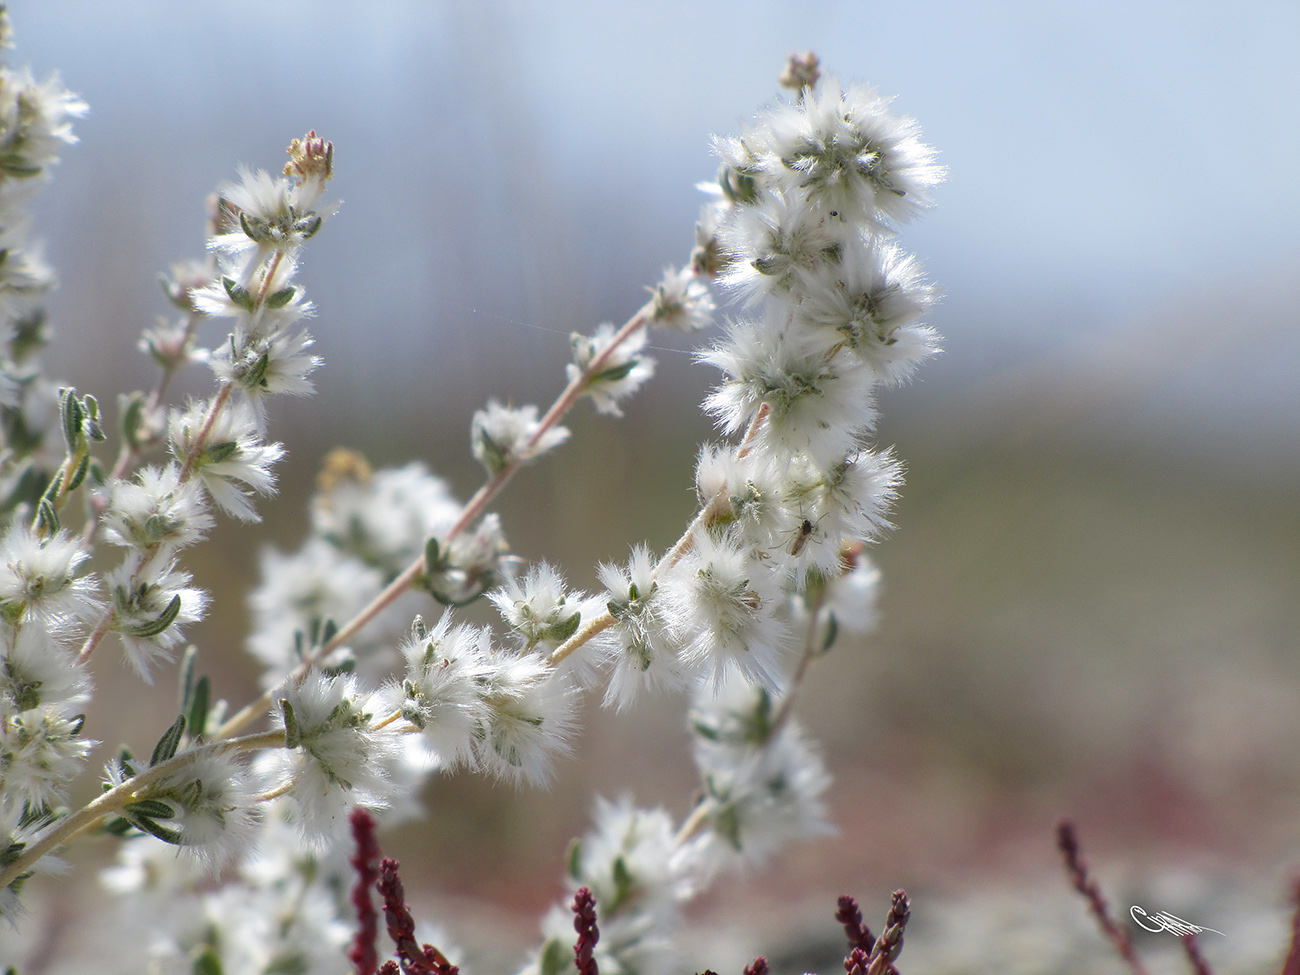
800,231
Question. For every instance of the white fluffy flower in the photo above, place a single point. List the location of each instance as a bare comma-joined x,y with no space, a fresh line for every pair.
231,457
817,403
641,645
445,668
298,594
334,758
36,669
872,301
621,374
627,861
760,797
214,809
503,435
41,752
529,717
539,608
38,579
773,245
722,604
152,603
384,517
843,149
681,301
156,510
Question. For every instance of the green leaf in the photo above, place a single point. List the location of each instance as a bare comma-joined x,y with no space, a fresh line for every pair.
188,660
292,732
79,474
555,960
164,833
726,823
280,298
91,406
154,627
165,750
614,373
117,827
199,704
217,452
71,415
47,520
495,457
623,884
152,808
132,407
564,629
832,631
207,963
290,963
575,859
432,555
11,853
239,295
256,374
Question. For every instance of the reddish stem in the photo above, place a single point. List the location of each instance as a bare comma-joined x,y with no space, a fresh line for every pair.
584,922
1192,948
850,915
363,953
415,959
1068,842
1292,964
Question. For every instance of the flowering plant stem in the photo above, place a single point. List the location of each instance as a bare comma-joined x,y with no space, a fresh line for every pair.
473,510
117,797
683,545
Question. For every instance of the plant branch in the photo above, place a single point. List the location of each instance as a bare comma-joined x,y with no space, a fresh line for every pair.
117,797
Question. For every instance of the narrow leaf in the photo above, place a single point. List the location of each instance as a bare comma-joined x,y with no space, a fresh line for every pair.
153,808
152,629
165,750
200,702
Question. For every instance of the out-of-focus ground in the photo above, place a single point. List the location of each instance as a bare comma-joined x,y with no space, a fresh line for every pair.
1091,603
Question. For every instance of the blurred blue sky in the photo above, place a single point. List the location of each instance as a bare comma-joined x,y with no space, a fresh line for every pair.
1111,163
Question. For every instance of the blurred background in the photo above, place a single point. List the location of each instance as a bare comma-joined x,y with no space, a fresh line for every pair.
1091,604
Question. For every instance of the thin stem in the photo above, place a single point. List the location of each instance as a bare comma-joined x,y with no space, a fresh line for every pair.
95,637
476,506
196,448
809,652
589,629
64,475
117,797
698,817
716,504
276,258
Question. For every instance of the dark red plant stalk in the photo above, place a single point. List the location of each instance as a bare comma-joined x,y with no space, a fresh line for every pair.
1193,949
416,960
890,942
584,922
1068,842
856,963
850,916
365,861
760,966
1292,964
